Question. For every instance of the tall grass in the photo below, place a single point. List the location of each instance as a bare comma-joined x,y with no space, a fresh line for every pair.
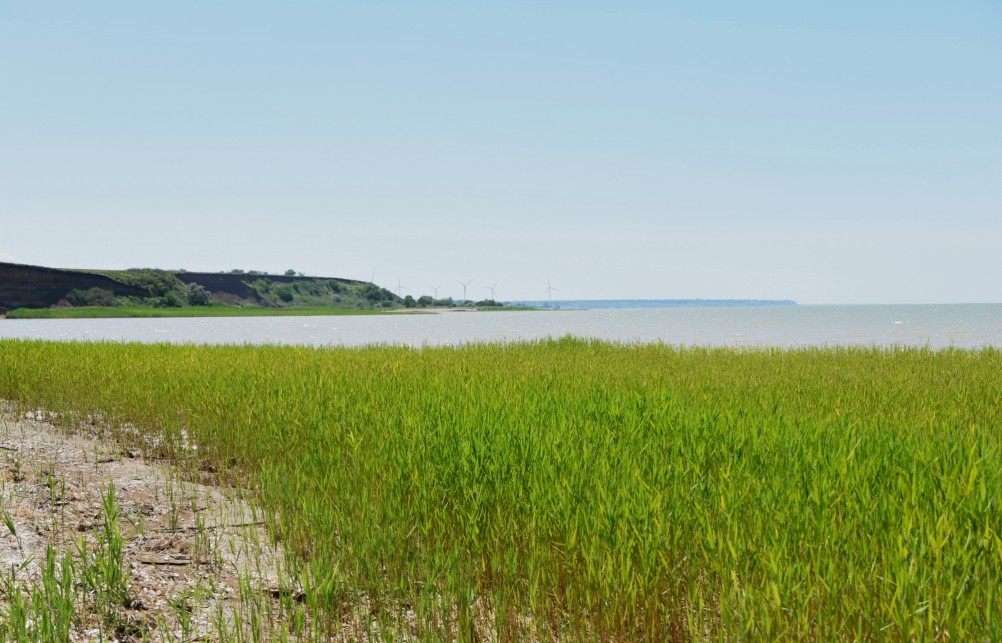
577,489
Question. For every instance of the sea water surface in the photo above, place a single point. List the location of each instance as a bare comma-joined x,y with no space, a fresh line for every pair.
937,326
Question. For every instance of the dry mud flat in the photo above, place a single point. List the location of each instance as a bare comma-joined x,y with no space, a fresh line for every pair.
196,559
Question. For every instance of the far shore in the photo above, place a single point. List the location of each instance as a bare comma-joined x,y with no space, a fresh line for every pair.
221,311
189,311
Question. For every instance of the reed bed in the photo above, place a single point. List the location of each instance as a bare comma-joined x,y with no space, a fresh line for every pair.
572,489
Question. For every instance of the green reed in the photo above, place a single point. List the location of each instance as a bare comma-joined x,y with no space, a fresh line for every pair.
586,490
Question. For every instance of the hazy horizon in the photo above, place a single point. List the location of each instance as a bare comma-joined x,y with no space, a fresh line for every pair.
847,153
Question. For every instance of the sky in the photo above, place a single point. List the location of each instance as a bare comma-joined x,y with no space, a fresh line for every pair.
842,152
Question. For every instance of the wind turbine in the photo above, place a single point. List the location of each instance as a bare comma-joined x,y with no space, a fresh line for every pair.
400,287
464,288
435,288
549,289
491,288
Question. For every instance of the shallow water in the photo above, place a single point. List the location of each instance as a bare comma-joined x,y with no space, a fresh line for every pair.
967,325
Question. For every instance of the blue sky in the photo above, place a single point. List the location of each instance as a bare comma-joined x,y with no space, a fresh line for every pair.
843,152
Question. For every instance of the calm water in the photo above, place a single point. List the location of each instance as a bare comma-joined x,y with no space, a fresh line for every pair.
970,325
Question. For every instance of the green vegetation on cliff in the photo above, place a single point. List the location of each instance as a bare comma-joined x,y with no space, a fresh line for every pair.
251,289
33,291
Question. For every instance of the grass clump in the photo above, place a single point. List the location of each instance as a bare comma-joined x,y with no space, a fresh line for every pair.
48,609
43,611
104,573
586,490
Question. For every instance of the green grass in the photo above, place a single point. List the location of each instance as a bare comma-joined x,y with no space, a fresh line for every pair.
586,490
185,311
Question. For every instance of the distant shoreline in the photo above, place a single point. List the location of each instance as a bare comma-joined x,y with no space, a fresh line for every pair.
591,304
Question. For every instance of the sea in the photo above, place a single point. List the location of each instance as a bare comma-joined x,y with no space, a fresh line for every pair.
935,326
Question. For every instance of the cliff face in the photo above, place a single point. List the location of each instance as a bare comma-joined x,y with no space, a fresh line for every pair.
36,287
231,284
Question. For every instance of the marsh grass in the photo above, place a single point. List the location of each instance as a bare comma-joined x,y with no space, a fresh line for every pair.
583,490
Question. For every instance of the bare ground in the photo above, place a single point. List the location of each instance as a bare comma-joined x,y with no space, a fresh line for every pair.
195,555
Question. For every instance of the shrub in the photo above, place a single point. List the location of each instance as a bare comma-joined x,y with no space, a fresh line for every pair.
198,295
170,300
374,293
157,282
91,297
285,294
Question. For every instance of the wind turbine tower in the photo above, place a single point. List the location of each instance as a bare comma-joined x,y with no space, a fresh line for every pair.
435,288
400,287
491,288
464,285
549,289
